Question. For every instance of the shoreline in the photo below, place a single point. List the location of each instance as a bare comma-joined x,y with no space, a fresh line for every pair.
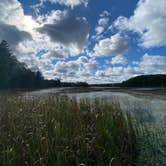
151,92
157,91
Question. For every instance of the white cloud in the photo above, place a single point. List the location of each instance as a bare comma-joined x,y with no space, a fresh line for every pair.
69,3
103,21
153,64
114,45
18,26
81,69
65,68
105,13
66,71
117,74
82,59
99,30
101,26
148,21
84,73
119,59
148,64
114,71
12,13
91,65
59,53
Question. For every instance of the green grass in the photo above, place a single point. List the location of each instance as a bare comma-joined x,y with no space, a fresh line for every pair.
151,143
59,131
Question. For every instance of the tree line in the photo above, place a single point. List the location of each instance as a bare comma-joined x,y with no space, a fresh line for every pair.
158,80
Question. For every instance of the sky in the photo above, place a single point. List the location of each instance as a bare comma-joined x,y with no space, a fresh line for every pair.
93,41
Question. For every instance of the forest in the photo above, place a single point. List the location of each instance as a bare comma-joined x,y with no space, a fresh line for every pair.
158,80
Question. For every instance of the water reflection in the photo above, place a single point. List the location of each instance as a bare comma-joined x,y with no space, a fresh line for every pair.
147,108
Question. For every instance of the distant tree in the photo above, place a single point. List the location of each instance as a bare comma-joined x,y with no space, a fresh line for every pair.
158,80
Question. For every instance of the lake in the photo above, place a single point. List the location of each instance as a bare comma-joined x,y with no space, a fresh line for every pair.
146,103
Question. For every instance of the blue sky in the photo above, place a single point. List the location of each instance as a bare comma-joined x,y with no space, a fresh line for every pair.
87,40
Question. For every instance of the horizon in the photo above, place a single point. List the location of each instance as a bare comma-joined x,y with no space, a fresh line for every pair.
85,41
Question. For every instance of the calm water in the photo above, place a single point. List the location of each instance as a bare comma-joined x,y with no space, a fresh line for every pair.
149,107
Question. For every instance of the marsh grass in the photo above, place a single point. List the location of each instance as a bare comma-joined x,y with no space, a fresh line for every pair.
63,131
151,144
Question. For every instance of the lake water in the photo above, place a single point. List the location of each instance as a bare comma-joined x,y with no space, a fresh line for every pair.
151,108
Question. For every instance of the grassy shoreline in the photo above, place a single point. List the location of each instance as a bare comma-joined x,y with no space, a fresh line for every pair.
59,131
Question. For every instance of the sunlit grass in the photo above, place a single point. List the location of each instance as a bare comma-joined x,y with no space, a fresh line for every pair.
60,131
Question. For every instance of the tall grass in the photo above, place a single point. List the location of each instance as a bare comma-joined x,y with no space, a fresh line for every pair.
151,144
62,131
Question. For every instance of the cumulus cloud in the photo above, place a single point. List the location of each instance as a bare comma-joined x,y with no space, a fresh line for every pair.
99,30
148,21
69,3
83,63
148,64
68,30
16,27
13,23
58,53
82,59
103,21
154,64
62,67
91,65
12,13
10,9
117,74
81,69
86,74
119,59
101,25
111,46
66,69
105,13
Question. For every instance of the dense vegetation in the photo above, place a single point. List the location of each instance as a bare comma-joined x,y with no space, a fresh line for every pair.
158,80
60,131
146,81
14,74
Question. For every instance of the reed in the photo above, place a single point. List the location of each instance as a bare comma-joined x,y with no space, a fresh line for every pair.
63,131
